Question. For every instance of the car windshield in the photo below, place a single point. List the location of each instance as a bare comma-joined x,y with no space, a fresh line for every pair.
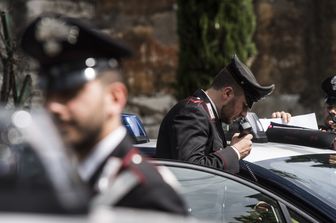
315,173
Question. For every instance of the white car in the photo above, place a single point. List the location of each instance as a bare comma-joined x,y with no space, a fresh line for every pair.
284,180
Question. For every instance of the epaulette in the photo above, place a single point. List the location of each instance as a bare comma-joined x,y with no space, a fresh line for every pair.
131,160
207,106
118,178
194,100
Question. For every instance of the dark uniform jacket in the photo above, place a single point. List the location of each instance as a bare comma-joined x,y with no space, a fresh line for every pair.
150,190
192,131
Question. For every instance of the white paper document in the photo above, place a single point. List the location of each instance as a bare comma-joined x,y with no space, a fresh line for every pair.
306,121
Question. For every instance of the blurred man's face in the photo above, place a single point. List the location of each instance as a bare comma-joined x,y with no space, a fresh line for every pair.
330,110
235,108
79,113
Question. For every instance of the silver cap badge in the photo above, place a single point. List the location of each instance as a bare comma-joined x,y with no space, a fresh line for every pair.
51,31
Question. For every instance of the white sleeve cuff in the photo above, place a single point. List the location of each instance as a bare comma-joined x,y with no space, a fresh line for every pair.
236,150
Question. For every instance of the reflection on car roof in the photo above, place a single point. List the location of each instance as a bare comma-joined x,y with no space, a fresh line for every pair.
264,151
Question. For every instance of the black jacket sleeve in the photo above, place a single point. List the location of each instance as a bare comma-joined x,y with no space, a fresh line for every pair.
197,141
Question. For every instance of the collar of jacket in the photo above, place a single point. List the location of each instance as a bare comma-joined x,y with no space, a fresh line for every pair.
202,95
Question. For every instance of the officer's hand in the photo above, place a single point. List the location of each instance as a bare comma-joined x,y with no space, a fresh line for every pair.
332,159
331,124
242,144
285,116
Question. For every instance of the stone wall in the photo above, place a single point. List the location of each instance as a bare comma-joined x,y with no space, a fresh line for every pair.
295,43
149,28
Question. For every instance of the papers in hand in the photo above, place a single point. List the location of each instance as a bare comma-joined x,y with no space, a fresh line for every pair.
305,121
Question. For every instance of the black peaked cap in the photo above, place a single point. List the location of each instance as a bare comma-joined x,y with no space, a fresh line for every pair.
63,46
245,78
54,39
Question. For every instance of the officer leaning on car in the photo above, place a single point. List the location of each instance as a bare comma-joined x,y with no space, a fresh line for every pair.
80,75
329,87
192,130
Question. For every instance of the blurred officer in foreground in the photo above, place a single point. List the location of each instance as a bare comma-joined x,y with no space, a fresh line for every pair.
80,74
329,87
192,129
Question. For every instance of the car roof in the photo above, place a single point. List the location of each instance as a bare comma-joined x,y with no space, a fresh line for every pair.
272,150
259,152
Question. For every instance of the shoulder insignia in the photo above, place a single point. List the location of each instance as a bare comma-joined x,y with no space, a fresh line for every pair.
207,106
118,178
194,100
116,189
114,167
131,160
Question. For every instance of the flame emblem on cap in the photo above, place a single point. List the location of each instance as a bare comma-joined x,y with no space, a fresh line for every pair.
333,83
52,32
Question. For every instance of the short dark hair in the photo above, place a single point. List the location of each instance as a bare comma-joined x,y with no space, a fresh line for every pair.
111,75
225,79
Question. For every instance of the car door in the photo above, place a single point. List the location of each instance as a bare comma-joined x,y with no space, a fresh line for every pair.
222,197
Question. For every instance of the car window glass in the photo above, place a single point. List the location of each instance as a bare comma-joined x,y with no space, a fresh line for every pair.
315,173
220,199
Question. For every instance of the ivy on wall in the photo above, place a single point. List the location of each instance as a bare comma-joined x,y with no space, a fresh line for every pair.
210,32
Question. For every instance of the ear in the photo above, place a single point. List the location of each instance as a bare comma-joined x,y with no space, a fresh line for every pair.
227,93
116,98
